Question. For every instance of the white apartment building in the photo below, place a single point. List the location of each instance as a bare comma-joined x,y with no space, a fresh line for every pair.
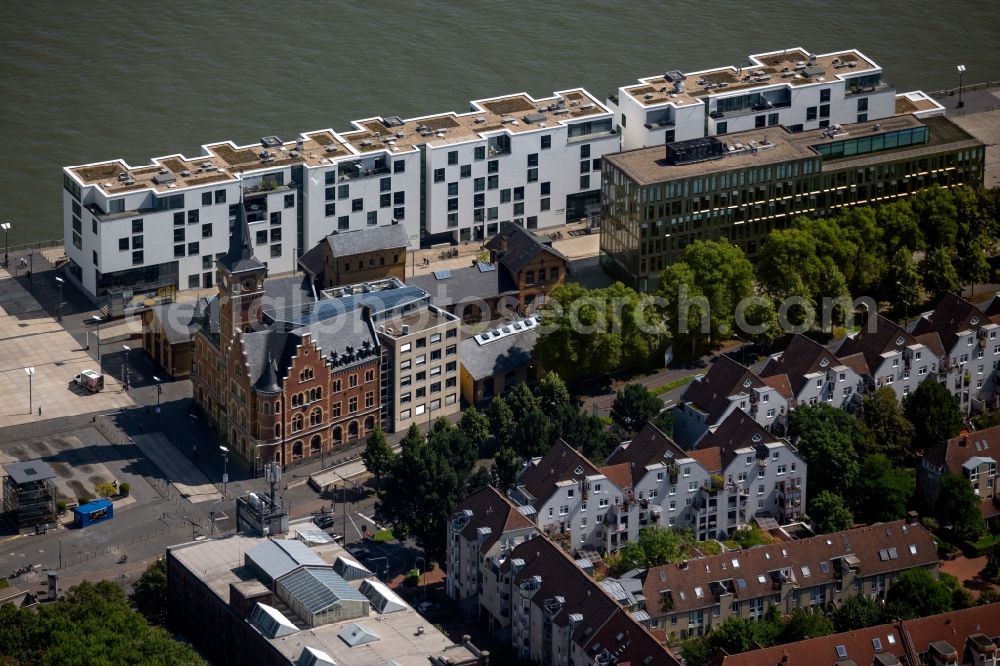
791,87
139,233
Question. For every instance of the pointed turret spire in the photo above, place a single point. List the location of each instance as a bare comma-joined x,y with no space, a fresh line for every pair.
240,255
268,380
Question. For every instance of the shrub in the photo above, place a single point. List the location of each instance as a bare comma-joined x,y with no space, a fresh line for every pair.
412,578
83,499
105,489
124,488
61,506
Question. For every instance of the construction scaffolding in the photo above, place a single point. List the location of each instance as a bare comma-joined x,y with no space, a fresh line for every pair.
29,493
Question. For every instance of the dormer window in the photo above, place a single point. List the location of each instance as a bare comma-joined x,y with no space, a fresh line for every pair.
974,320
825,362
578,470
746,384
900,341
756,438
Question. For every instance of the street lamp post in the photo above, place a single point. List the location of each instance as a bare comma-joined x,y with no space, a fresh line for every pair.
159,390
194,436
98,320
225,468
31,268
60,281
6,229
961,71
906,305
423,575
125,372
30,372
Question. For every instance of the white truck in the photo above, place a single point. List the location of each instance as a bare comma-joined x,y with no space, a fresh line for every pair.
90,380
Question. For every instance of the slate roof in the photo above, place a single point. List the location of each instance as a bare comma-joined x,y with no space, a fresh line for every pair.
710,392
521,247
958,450
649,447
180,320
801,357
313,261
886,336
499,356
385,237
284,292
880,549
952,315
738,431
239,257
465,284
540,478
490,509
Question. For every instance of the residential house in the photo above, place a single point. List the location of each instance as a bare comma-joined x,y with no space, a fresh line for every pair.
969,349
893,357
534,266
690,597
972,456
967,637
711,397
357,256
815,374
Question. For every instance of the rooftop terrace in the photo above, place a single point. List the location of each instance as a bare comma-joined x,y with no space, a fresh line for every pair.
791,66
222,161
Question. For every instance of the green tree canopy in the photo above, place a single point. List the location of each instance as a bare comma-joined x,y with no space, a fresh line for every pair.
149,594
552,394
475,425
938,272
957,506
916,593
378,456
901,285
889,430
934,413
829,512
501,420
883,491
633,406
91,624
791,263
936,216
505,468
830,440
531,434
805,623
859,611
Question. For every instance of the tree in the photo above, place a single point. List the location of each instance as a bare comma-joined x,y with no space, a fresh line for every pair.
829,513
790,264
459,451
664,421
762,325
859,611
830,440
960,597
989,596
413,438
899,227
505,468
916,593
378,456
91,624
889,429
902,282
805,623
149,594
531,434
105,489
936,215
552,394
934,413
501,420
866,266
957,506
633,406
883,491
521,401
938,272
480,478
991,572
475,425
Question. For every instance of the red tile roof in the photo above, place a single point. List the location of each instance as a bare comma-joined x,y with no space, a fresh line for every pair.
708,458
780,384
624,641
958,450
620,475
880,548
828,650
955,628
737,431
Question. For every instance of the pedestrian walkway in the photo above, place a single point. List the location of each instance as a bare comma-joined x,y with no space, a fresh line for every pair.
181,472
31,338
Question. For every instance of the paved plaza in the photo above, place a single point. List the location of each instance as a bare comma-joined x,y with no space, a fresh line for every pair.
30,337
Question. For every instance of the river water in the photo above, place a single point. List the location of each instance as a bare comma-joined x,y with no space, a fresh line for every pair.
89,81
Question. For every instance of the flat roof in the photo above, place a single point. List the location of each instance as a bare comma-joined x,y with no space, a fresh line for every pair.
29,471
421,319
788,67
760,147
221,161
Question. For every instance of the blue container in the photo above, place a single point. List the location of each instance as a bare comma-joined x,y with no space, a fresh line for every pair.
93,512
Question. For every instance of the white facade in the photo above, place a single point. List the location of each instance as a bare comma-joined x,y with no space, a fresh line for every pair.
792,87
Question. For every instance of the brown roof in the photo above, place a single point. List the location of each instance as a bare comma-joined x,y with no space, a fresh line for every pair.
492,510
560,463
780,384
620,475
738,431
952,315
710,459
648,447
801,357
627,642
710,392
933,342
517,247
958,630
857,363
989,509
884,336
880,549
958,450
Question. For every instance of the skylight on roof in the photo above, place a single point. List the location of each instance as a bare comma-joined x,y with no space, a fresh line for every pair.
824,566
699,592
841,652
805,570
761,578
891,638
913,549
877,644
736,563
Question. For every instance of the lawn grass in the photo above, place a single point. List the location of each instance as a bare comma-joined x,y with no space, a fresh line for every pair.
383,536
670,386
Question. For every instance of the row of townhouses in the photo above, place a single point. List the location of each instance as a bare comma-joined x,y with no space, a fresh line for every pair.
972,456
538,163
734,474
527,591
968,637
956,344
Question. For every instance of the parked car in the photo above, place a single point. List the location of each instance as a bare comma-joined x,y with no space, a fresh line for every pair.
90,380
336,537
324,521
427,607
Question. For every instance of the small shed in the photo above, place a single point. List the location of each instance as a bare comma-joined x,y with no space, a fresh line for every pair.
93,512
29,493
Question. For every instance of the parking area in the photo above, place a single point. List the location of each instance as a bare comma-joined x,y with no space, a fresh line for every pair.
31,338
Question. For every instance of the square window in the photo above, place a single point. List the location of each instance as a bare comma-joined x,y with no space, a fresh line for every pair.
384,200
261,237
178,235
357,205
453,189
533,159
137,226
480,153
532,175
585,151
452,157
178,218
206,230
220,196
194,281
343,223
518,194
493,166
439,175
179,250
344,191
123,243
584,182
398,198
331,209
330,177
546,141
194,248
372,218
194,216
385,185
289,201
206,198
465,171
137,258
276,250
398,166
